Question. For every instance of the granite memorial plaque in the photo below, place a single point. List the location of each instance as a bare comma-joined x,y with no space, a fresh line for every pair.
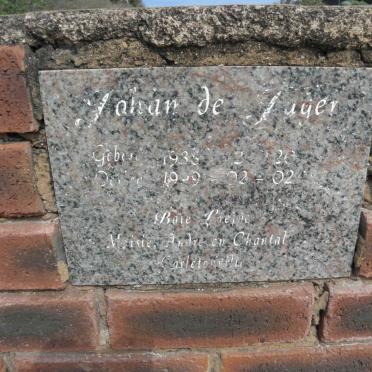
208,174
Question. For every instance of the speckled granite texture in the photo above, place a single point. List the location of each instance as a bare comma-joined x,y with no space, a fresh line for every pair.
212,174
327,27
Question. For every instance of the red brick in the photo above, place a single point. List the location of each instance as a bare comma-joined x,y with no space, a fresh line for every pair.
353,358
349,312
15,106
27,256
18,193
55,321
140,320
12,59
171,362
364,259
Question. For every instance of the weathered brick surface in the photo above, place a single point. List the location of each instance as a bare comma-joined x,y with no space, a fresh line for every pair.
349,312
171,362
15,107
209,319
12,59
364,259
18,194
354,358
2,366
27,256
48,321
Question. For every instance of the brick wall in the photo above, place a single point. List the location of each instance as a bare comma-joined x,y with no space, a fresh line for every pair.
46,324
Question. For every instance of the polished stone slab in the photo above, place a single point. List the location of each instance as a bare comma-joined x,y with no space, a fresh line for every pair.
208,174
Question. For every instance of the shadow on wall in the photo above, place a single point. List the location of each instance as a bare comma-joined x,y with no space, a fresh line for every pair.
21,6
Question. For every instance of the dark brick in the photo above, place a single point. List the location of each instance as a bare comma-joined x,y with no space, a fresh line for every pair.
209,319
15,106
171,362
18,193
48,321
27,256
349,312
354,358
